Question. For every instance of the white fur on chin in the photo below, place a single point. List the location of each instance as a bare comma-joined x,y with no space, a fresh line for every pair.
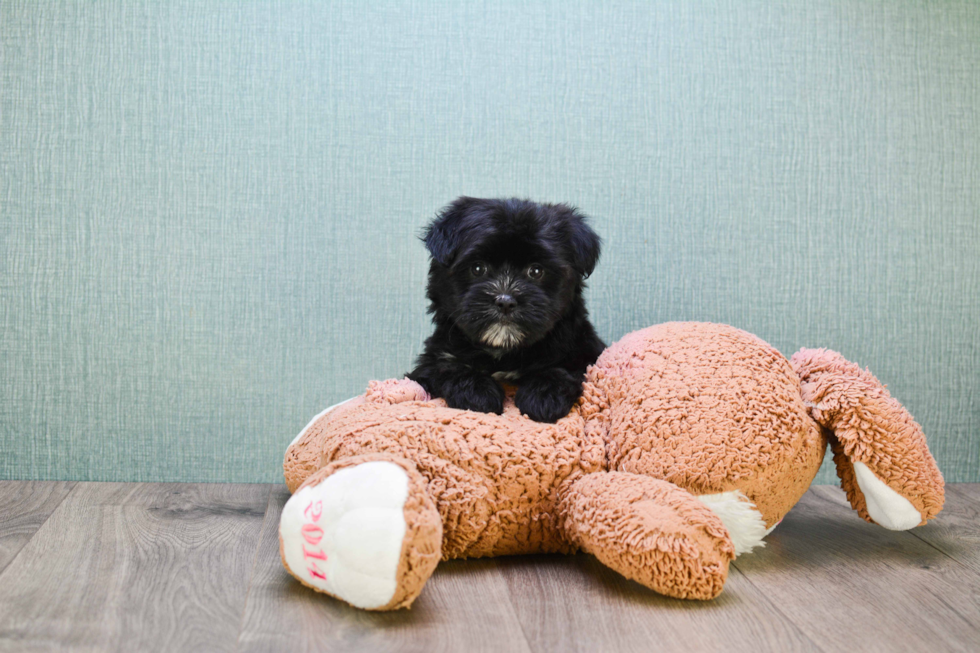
502,335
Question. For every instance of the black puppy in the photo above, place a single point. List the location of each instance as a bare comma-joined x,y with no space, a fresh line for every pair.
505,292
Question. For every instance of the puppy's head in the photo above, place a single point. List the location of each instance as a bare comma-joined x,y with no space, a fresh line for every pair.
505,271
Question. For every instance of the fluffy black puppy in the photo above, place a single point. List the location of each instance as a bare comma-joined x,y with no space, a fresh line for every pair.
505,292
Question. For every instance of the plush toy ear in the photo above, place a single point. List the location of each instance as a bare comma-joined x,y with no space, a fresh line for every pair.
443,237
585,244
882,459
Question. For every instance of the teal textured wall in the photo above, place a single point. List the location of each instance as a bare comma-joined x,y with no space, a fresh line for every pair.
209,209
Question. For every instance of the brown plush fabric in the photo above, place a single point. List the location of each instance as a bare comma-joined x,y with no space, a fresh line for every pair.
492,477
650,531
422,548
710,408
667,413
303,456
869,426
422,545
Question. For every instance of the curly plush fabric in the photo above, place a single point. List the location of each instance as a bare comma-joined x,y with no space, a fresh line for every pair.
710,408
668,414
422,544
492,477
867,425
304,454
647,530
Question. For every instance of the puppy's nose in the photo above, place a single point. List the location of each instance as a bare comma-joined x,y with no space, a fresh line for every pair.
505,303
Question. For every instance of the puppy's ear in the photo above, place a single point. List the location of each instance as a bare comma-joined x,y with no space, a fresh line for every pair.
443,237
585,244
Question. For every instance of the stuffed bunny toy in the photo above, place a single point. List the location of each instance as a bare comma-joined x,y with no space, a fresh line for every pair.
690,443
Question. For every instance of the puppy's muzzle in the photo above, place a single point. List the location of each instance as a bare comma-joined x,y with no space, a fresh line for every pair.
505,304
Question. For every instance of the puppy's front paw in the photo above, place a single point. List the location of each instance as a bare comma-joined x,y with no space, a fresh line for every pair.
548,397
479,393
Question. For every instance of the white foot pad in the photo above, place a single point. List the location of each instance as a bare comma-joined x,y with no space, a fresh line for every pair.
886,506
345,534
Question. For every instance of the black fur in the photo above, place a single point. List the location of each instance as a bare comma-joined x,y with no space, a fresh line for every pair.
504,318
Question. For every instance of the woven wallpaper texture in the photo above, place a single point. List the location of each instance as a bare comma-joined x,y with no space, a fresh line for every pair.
209,210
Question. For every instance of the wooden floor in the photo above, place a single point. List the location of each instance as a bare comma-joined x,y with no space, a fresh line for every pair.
179,567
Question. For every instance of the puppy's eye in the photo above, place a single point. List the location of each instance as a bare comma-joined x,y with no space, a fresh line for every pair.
535,271
478,269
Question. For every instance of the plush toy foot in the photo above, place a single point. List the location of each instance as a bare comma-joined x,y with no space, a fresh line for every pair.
363,530
650,531
882,459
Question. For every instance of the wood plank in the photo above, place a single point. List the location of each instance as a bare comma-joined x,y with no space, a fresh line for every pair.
956,531
574,603
464,607
167,567
851,585
24,506
135,567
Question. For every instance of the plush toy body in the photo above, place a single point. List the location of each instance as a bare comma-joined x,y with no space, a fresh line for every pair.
690,442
